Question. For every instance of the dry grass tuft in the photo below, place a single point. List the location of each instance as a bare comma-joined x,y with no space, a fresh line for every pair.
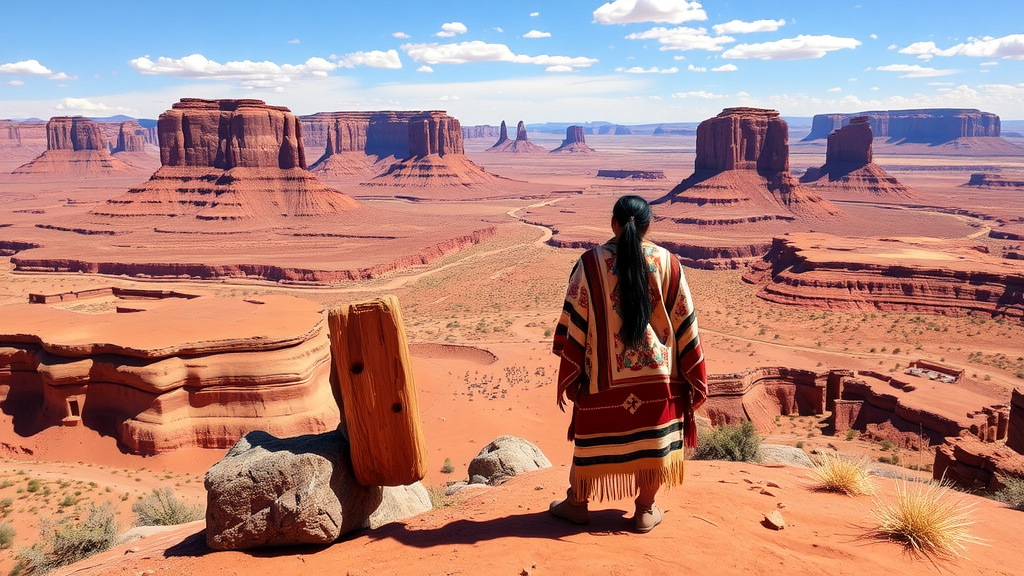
834,473
927,518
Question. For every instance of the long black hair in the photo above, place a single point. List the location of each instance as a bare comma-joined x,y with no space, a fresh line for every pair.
633,214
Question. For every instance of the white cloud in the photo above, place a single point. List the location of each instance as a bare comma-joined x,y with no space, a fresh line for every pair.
534,14
1011,47
693,68
836,89
400,35
741,27
679,57
655,97
873,36
560,68
873,88
537,34
651,70
725,68
15,83
478,51
633,11
373,59
892,47
989,64
699,94
294,41
32,67
449,29
683,38
915,71
62,76
426,69
941,83
84,105
498,29
800,48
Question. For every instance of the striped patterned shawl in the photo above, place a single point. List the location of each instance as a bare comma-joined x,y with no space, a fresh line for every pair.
632,409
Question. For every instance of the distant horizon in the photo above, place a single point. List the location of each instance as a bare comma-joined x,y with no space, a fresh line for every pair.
637,61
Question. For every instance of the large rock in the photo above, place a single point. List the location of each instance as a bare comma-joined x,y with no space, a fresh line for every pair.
780,454
131,137
931,126
502,135
434,133
851,144
849,168
74,146
399,503
575,142
271,491
1015,429
505,457
478,131
743,139
74,133
521,145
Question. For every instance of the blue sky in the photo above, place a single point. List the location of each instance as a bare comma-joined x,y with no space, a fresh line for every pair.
626,61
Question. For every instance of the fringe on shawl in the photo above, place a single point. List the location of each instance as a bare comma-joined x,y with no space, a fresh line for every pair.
620,481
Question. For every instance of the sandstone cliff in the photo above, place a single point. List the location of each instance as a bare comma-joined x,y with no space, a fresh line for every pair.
131,137
521,145
575,142
849,168
478,131
931,126
74,146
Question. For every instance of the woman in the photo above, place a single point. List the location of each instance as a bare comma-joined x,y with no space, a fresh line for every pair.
633,367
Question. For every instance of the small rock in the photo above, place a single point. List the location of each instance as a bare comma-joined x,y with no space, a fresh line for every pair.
748,480
774,520
767,493
773,485
132,550
478,479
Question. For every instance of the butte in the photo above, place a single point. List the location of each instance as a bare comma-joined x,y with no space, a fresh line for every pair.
575,142
521,145
849,167
75,146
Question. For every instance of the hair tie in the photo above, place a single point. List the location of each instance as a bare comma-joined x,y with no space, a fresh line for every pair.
632,219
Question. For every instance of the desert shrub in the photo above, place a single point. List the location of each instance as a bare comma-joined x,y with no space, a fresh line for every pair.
851,434
833,473
800,444
68,500
439,499
448,467
736,443
34,485
886,444
67,542
161,508
926,518
7,534
1013,494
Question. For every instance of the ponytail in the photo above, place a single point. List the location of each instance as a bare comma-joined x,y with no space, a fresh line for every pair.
633,214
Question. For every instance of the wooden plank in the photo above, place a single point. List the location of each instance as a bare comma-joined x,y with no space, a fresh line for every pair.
370,351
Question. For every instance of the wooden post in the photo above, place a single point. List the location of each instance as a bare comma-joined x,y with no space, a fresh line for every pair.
370,351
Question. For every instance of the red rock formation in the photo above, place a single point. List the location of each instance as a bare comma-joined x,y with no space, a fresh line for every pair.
22,135
345,146
632,174
389,135
478,131
434,133
995,182
976,465
575,142
1015,428
933,276
521,145
74,145
502,135
130,138
761,394
178,371
741,174
229,160
931,126
848,167
614,130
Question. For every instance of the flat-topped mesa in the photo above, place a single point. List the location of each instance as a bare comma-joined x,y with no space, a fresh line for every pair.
22,134
74,145
575,142
929,125
229,160
741,174
131,137
478,131
343,135
848,167
434,132
521,145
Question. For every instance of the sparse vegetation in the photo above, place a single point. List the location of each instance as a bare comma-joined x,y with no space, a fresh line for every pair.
1013,494
851,434
886,444
834,473
439,499
7,534
927,518
448,467
161,508
66,542
736,443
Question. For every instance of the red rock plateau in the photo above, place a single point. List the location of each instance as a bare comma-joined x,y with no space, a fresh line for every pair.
21,140
741,175
344,140
614,130
977,465
480,131
849,168
229,160
575,142
960,131
74,146
995,181
521,145
632,174
163,370
913,275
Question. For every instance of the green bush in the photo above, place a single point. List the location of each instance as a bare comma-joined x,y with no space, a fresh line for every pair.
1013,494
67,542
161,508
34,485
448,467
851,434
736,443
6,535
886,444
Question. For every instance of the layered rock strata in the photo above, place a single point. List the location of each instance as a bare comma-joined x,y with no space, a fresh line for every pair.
761,394
521,145
575,142
229,160
22,135
632,174
920,275
849,168
614,130
478,131
162,373
344,137
929,126
995,182
131,137
74,146
976,465
741,174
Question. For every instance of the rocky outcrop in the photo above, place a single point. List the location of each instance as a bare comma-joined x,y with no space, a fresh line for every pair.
521,145
131,137
674,131
575,142
614,130
229,160
434,133
761,394
908,275
1015,431
343,135
479,131
929,126
849,168
632,174
741,174
74,146
165,370
30,135
995,182
976,465
504,458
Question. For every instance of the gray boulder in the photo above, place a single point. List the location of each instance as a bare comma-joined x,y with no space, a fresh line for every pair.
779,454
400,502
503,458
271,491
